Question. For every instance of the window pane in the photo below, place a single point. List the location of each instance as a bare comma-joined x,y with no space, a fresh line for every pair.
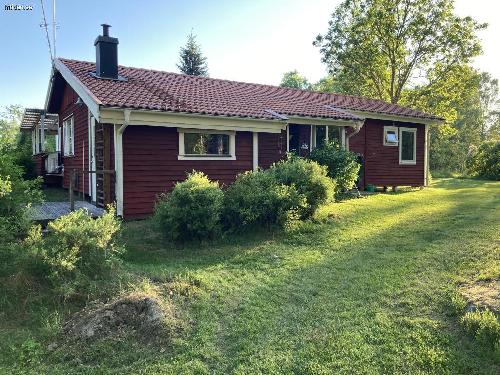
407,145
391,137
334,134
320,135
206,144
194,144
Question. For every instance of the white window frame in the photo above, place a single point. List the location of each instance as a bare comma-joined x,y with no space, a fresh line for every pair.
313,135
232,145
391,129
69,135
409,130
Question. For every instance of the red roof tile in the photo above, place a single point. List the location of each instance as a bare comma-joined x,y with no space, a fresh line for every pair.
156,90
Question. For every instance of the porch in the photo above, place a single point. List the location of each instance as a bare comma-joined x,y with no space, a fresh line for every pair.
47,211
45,139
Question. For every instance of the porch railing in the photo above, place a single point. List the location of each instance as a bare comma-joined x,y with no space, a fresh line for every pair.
74,173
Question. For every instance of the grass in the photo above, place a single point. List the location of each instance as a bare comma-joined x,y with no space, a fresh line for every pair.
55,194
364,288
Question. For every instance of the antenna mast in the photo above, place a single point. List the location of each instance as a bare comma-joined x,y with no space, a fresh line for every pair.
44,24
54,27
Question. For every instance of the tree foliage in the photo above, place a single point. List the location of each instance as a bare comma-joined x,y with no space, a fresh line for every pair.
468,101
379,48
15,190
485,162
295,80
416,53
10,119
192,61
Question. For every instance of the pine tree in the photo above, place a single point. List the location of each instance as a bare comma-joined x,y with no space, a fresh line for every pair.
192,61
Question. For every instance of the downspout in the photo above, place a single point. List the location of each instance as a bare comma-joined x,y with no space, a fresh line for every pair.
119,160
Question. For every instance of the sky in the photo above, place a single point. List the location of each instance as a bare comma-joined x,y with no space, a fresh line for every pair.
245,40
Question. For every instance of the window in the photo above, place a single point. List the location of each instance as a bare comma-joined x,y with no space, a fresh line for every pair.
69,138
408,146
208,145
335,134
391,136
323,133
320,136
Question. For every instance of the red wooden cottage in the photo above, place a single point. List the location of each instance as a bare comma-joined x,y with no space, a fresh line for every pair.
141,130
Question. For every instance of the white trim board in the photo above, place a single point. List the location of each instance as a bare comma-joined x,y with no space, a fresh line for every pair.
191,121
255,151
304,120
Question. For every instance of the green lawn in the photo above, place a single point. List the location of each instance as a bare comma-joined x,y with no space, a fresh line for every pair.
55,194
365,288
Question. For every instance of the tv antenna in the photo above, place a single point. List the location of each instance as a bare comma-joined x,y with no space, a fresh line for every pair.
45,25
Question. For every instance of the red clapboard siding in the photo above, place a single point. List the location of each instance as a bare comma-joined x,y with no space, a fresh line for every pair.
150,166
382,166
39,160
80,115
272,148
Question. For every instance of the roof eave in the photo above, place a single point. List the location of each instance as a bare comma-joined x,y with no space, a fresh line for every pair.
399,118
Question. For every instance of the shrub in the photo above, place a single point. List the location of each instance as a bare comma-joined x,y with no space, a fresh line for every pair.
15,193
309,178
191,210
342,165
256,198
486,161
484,326
76,250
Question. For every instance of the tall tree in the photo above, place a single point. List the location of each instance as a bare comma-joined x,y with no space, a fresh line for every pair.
489,101
192,61
295,80
379,48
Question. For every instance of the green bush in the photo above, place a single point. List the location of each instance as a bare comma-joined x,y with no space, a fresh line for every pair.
15,194
256,198
76,250
191,210
486,161
484,326
309,178
342,165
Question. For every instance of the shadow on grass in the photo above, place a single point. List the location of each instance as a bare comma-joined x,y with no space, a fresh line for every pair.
462,183
364,285
359,290
146,247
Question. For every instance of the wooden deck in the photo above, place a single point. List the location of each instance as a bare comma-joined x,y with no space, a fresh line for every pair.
47,211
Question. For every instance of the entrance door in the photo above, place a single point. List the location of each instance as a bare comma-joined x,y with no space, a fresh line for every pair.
299,139
103,163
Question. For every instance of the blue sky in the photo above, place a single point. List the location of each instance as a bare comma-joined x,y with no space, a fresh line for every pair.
245,40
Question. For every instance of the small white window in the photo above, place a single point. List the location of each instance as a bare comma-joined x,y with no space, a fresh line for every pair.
408,146
391,136
69,136
206,145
